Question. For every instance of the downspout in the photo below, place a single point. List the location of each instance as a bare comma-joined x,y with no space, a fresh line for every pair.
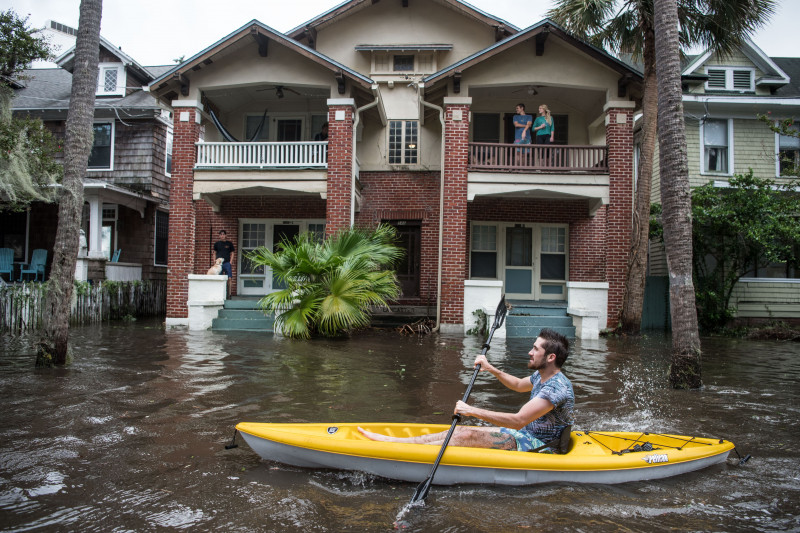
441,207
353,167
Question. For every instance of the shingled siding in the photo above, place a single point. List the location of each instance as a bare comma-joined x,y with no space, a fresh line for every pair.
139,152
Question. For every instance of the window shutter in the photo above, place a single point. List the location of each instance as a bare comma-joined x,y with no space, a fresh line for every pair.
716,78
741,80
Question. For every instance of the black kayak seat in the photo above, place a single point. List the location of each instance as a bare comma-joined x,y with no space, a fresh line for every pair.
561,444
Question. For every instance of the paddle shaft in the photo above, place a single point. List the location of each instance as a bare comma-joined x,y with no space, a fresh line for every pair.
422,490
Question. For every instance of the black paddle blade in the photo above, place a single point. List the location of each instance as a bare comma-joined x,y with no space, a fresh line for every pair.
500,313
422,490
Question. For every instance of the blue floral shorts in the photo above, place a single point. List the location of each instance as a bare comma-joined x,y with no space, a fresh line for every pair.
525,439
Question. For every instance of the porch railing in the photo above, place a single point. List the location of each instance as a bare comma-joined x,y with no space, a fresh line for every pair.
312,154
537,157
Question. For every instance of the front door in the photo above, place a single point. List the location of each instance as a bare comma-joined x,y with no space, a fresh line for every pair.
255,233
518,268
409,234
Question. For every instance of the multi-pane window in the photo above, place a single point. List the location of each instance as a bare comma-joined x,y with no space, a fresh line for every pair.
554,253
715,145
252,125
789,152
253,236
403,138
403,63
101,156
162,237
483,257
168,155
318,232
110,79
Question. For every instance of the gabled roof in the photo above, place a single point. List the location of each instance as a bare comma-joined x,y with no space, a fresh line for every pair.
203,58
791,66
350,7
67,59
773,74
541,30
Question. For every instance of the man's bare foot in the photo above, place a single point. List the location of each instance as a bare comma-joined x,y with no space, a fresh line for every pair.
374,436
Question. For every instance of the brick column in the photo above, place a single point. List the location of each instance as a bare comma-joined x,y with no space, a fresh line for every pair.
340,164
181,249
619,139
454,239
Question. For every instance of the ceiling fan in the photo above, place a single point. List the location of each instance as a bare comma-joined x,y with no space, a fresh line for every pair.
279,90
531,90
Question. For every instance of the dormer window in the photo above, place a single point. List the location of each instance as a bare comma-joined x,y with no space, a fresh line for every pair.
111,79
397,60
403,63
730,79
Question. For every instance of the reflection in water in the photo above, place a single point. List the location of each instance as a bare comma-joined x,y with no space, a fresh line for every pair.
132,435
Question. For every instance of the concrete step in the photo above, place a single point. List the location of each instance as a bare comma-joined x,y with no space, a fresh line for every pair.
242,303
532,332
546,321
241,313
242,324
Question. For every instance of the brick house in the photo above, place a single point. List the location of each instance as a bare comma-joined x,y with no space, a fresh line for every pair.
420,137
126,185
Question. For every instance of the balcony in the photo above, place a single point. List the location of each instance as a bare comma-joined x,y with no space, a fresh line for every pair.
262,155
537,158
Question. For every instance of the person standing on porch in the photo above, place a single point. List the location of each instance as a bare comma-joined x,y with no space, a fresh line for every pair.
522,126
543,126
224,249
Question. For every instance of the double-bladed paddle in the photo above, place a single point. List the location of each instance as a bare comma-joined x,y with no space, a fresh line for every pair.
422,489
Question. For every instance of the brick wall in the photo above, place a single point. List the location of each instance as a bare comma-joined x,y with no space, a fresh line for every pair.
406,196
181,250
619,138
454,265
340,168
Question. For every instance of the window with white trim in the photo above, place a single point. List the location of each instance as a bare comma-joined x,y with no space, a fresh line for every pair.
162,238
483,256
168,154
403,142
110,79
730,79
102,154
716,145
789,152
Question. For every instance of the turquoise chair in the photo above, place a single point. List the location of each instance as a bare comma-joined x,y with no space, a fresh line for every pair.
36,266
115,257
7,263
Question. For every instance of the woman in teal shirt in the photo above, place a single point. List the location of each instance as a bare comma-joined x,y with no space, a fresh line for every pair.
543,126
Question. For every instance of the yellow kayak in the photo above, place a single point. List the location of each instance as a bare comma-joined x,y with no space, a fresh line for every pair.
593,456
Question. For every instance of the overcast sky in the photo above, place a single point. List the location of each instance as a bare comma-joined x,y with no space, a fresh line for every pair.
154,32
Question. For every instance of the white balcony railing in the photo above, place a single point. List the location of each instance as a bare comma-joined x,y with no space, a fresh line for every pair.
312,154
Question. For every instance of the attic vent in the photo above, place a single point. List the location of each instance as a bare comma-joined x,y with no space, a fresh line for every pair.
716,78
63,28
741,80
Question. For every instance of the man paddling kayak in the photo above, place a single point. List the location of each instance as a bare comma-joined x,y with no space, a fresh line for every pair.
547,412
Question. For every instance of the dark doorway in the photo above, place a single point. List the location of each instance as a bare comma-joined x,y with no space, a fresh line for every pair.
280,233
409,234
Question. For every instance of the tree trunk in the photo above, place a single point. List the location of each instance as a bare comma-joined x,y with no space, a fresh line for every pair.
53,348
676,200
633,300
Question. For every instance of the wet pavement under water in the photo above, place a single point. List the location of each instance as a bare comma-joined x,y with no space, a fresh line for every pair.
131,436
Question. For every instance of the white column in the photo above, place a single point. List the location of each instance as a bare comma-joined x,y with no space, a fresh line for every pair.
95,227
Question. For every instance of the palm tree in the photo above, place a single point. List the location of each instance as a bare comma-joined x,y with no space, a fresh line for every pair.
628,27
676,200
53,348
330,285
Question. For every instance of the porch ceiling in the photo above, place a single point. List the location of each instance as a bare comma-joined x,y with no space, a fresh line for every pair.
559,99
230,99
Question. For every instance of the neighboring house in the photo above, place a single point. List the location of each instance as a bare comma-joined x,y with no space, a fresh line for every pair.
126,184
419,99
722,98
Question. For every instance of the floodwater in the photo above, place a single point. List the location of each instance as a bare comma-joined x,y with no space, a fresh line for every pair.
131,436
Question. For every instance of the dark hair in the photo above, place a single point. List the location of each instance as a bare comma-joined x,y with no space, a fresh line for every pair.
556,343
522,106
222,231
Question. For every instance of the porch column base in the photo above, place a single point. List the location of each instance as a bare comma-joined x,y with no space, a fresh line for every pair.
206,298
481,295
176,322
588,300
587,325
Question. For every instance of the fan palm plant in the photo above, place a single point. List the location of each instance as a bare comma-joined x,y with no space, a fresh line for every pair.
330,285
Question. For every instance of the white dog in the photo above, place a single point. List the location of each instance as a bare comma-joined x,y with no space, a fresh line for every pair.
216,270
